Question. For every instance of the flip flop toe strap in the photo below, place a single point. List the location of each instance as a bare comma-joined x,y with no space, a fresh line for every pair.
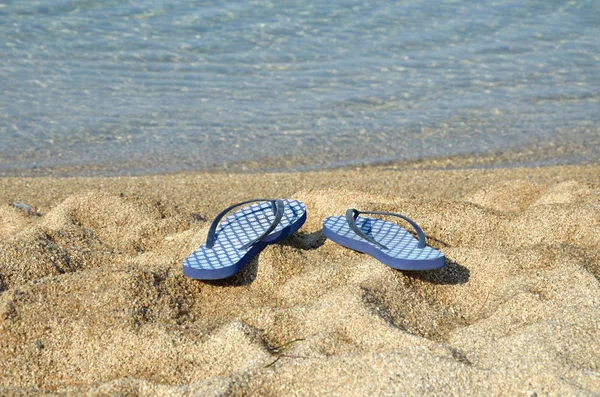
352,214
278,208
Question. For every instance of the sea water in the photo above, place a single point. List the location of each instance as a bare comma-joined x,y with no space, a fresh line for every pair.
149,86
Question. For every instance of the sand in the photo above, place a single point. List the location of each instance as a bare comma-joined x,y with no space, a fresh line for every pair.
93,300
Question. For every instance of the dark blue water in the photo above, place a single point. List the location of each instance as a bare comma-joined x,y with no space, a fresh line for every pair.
153,86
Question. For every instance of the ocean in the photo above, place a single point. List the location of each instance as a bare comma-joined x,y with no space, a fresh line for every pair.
121,87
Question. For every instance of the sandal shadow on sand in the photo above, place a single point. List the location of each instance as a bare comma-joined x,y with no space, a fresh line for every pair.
387,242
231,244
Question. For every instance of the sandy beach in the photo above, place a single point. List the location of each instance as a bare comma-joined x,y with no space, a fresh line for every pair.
93,300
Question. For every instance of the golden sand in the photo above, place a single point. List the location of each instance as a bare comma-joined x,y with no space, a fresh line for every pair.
93,300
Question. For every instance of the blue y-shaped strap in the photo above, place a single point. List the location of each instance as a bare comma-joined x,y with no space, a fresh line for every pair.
352,214
278,208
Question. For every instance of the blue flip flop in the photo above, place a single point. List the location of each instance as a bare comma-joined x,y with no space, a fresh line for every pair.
242,235
385,241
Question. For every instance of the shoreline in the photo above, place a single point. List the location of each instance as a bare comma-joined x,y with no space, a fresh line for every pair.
537,155
93,300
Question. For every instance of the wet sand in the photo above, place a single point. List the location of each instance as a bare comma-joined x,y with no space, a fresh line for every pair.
93,300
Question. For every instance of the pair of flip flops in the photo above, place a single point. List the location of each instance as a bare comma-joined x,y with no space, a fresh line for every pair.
231,244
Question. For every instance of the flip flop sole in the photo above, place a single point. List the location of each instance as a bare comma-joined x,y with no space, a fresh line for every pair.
242,226
403,252
192,271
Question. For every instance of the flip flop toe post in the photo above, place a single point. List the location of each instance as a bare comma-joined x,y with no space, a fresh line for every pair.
231,244
387,242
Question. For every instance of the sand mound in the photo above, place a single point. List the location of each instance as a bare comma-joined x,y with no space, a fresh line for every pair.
93,300
83,232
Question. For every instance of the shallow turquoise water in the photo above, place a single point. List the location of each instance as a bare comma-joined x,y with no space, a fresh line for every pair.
153,86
